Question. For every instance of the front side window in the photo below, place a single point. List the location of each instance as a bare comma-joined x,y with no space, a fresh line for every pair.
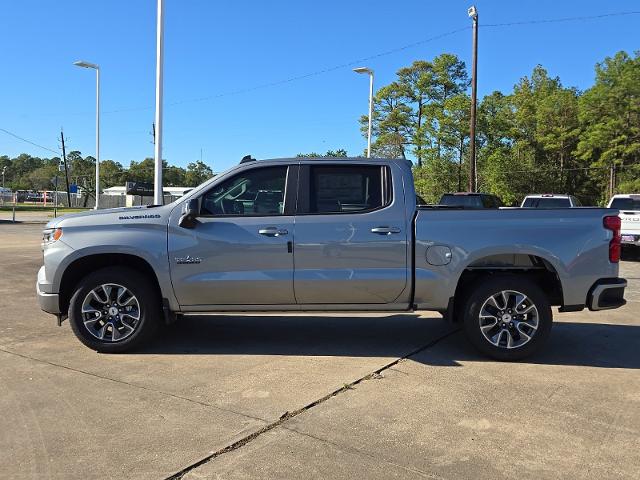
348,189
255,192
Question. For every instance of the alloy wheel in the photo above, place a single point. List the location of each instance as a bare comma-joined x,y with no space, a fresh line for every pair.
508,319
110,312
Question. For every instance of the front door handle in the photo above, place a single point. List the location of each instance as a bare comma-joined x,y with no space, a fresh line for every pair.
273,231
385,230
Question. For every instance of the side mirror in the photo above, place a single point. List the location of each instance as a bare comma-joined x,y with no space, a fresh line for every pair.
190,212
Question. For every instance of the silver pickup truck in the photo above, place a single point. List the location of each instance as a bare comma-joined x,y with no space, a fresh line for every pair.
327,235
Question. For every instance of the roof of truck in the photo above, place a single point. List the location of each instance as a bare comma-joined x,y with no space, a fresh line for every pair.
548,195
325,159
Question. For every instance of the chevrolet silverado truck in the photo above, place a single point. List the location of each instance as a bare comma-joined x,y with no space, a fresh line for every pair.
327,235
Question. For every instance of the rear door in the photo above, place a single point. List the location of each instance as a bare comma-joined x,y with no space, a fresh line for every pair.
351,240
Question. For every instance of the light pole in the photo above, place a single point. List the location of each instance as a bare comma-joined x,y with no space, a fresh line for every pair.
97,69
158,198
473,14
4,170
370,73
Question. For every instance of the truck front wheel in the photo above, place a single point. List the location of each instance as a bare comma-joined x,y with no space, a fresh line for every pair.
507,317
114,310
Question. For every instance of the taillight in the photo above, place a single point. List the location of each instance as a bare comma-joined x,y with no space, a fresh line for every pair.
613,223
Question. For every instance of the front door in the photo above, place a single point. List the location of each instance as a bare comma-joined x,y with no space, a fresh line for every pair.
240,251
351,241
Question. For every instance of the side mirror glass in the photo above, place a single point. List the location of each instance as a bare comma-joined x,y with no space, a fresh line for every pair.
189,215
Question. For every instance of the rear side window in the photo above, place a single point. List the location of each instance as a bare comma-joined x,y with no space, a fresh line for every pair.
348,189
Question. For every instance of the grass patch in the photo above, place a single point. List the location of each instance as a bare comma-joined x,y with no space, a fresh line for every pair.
33,208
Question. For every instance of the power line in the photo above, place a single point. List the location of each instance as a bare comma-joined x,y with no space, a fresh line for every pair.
382,54
560,20
303,76
558,169
28,141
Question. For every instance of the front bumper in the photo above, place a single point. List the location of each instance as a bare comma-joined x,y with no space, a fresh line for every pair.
49,302
607,293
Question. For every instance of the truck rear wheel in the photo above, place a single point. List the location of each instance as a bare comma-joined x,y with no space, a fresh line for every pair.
507,317
114,310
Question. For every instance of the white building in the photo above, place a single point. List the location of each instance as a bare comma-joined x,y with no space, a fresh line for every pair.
173,191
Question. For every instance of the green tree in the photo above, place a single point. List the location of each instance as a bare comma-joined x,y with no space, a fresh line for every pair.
111,174
197,173
173,176
340,153
610,117
141,171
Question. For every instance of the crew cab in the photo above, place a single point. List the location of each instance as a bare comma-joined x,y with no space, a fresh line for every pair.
629,206
327,235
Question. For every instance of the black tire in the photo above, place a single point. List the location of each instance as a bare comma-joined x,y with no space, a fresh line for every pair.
481,292
149,311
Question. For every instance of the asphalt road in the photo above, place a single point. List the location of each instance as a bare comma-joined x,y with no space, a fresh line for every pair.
306,396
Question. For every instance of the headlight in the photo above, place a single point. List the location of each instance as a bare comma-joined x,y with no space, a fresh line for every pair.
50,235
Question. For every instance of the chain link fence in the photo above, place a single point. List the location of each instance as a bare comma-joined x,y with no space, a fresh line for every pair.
40,207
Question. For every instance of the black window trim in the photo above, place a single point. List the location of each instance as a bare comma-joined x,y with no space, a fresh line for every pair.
304,177
290,193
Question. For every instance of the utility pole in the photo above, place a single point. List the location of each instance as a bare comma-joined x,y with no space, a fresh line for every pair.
66,168
158,197
612,180
473,14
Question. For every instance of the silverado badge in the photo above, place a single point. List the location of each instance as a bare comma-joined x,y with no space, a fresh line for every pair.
187,260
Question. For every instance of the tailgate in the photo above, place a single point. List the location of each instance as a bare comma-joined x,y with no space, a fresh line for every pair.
630,228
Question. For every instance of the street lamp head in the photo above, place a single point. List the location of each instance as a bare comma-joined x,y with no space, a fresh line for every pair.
363,70
473,12
83,64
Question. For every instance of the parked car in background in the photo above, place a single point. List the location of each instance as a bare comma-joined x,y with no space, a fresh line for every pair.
550,200
32,197
470,200
629,206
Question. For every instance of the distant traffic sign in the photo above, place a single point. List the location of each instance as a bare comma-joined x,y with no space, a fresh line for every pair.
143,189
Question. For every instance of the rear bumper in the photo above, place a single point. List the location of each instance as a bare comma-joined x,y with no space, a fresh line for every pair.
607,293
630,238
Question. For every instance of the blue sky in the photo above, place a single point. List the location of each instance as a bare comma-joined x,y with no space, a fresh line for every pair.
215,48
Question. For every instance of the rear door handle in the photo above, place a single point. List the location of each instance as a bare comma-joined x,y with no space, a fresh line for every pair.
273,231
385,230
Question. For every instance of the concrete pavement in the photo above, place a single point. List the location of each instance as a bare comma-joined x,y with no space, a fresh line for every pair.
268,396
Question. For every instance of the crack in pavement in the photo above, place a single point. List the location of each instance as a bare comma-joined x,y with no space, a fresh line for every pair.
288,415
357,451
141,387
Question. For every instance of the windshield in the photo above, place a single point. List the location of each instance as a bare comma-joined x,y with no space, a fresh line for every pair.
546,202
626,203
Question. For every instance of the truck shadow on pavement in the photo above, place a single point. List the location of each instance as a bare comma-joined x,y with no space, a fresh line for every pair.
393,336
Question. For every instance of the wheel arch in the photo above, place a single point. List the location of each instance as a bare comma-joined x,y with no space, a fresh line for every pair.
536,268
81,267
